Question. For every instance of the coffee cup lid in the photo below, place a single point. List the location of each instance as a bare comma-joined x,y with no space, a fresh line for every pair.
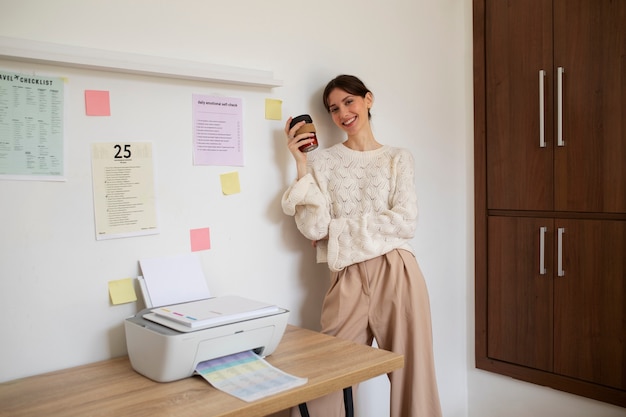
298,119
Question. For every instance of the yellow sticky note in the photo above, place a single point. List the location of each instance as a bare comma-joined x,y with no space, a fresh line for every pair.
273,109
122,291
230,183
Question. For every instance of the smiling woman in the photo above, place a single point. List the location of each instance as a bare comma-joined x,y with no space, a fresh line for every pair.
356,202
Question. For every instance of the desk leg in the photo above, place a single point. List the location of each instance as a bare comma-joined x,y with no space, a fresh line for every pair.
304,411
347,403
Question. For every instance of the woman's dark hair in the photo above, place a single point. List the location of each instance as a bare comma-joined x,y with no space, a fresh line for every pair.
348,83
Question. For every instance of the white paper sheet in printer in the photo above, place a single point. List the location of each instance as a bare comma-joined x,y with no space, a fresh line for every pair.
167,343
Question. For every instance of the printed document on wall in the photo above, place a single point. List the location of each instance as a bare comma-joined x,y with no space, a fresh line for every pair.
123,187
217,131
31,127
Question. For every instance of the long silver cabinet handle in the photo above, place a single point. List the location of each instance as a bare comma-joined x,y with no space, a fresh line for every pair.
561,272
560,141
542,114
542,250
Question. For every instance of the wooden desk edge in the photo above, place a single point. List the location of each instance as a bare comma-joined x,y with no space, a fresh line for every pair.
187,394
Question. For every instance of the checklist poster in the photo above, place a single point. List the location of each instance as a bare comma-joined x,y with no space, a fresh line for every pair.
217,131
123,186
31,127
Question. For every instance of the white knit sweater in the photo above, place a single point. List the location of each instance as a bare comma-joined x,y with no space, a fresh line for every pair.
363,202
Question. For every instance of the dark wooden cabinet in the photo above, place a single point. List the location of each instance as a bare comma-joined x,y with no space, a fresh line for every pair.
556,296
550,193
518,44
590,49
555,85
520,322
590,302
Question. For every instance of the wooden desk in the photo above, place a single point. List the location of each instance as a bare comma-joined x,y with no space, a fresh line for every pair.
113,388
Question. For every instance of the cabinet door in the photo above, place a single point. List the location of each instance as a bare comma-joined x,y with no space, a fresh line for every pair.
590,302
519,291
590,46
518,45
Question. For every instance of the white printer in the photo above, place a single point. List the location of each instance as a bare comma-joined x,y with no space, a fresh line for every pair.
166,343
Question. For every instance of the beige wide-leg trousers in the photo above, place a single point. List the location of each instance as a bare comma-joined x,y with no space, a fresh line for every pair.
385,298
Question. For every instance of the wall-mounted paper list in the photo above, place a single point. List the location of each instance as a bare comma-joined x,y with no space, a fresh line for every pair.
217,130
123,188
31,127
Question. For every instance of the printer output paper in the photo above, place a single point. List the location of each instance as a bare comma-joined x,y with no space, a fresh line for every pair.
247,376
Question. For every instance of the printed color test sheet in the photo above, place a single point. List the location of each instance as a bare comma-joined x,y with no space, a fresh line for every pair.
247,376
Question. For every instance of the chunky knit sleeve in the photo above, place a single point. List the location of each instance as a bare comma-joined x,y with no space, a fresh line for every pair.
304,200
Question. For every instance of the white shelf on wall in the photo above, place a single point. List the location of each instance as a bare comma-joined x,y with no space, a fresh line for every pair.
104,60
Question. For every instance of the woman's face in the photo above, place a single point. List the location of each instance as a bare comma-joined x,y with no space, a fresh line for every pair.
349,112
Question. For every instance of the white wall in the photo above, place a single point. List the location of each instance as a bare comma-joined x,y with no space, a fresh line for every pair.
416,57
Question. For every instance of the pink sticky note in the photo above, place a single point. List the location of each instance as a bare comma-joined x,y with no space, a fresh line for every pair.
200,239
97,103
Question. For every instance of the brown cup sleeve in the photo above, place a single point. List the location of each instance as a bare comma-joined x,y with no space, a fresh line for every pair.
307,128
